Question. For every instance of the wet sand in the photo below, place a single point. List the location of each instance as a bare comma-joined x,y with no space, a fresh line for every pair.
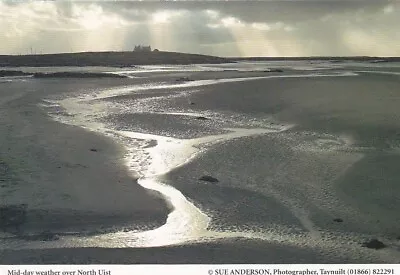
234,251
72,180
281,191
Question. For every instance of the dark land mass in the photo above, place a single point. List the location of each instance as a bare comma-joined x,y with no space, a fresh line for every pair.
130,59
5,73
113,59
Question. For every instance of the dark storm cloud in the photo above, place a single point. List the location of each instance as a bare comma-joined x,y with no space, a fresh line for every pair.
250,11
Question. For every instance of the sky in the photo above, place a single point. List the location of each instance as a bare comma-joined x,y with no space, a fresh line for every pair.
219,27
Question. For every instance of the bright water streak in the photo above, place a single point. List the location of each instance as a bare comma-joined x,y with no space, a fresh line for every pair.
186,222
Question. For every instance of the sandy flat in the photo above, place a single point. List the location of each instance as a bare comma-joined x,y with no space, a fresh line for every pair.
280,190
71,179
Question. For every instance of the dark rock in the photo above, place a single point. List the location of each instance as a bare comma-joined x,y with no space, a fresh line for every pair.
93,149
49,236
209,179
4,73
338,220
192,103
276,71
46,236
202,118
12,217
273,71
183,79
374,244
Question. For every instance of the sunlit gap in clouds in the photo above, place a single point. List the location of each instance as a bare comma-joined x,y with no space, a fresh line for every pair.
52,27
242,38
366,42
163,30
101,30
253,39
249,41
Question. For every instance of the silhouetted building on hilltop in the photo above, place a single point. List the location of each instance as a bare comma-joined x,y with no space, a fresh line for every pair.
140,48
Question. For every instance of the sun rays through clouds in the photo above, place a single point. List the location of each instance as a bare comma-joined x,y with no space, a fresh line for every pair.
235,28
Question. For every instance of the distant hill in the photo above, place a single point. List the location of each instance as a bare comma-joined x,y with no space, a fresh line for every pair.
108,59
132,58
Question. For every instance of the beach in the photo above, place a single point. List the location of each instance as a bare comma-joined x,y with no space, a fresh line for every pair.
248,162
52,169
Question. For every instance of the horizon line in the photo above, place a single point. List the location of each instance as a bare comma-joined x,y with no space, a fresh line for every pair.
225,57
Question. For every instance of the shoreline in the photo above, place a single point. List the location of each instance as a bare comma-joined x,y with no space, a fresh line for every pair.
252,198
154,238
185,222
70,179
132,58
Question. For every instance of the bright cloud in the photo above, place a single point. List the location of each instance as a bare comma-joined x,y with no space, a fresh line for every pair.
388,9
231,22
213,14
93,17
261,26
165,16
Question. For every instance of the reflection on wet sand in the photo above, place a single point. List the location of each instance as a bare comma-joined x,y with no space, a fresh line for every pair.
186,222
